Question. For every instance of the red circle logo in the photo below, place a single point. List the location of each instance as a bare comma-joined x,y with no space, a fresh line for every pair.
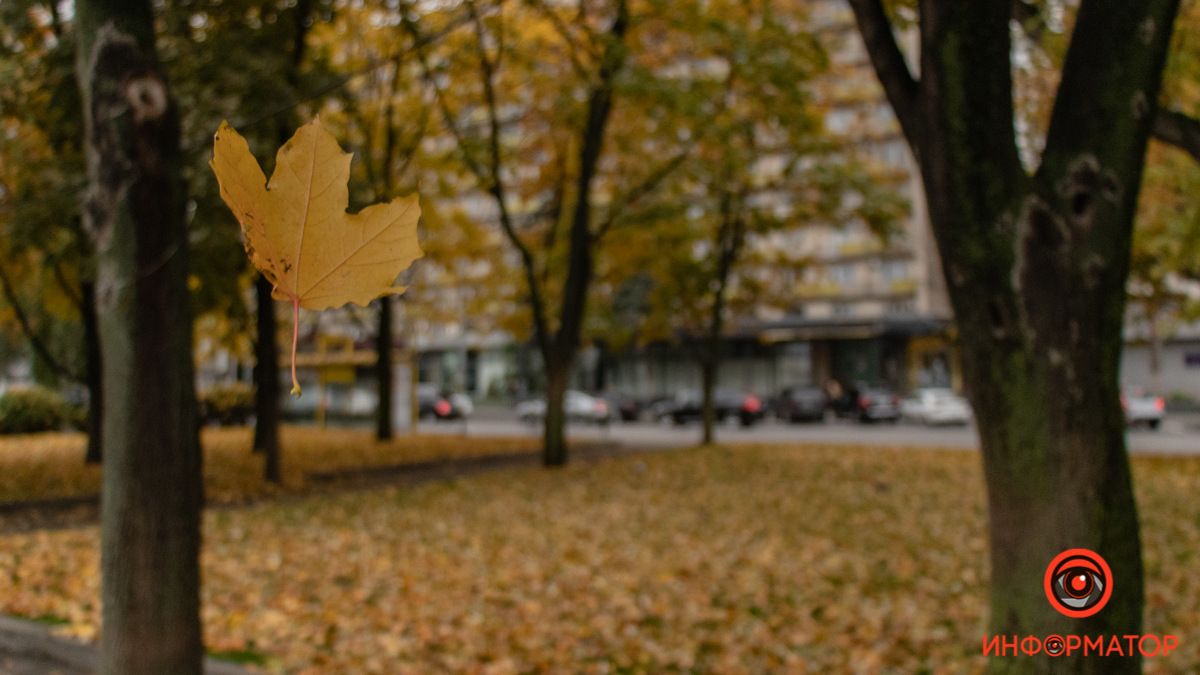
1078,582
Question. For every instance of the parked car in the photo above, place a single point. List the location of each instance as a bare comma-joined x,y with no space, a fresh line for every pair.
801,404
729,404
442,405
628,408
580,407
867,404
935,405
878,404
1142,408
658,408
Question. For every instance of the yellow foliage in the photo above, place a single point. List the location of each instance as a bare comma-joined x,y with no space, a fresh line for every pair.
297,231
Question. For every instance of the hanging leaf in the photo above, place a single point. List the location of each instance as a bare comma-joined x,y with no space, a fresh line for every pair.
298,233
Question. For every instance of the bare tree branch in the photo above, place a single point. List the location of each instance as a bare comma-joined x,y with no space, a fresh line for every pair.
898,82
42,350
1177,129
70,290
639,191
425,41
573,47
489,178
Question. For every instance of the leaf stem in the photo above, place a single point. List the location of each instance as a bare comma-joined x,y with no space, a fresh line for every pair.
295,339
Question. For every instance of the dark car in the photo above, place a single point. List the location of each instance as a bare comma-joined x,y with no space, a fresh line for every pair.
628,408
728,404
438,404
801,404
867,404
877,404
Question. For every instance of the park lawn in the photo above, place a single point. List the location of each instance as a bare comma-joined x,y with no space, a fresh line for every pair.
726,560
50,466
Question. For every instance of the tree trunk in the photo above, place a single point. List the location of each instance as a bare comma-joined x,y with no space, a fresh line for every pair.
266,346
150,524
1036,267
1058,478
554,440
708,382
266,380
383,371
93,373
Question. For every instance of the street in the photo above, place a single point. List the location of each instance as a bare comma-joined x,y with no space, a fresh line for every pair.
1179,435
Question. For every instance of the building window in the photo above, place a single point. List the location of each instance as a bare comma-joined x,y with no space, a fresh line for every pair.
842,274
894,269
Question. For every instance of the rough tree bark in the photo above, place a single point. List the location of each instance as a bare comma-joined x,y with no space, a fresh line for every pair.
1036,268
134,209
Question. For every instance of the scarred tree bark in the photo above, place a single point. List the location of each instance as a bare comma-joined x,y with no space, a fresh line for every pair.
1036,268
135,211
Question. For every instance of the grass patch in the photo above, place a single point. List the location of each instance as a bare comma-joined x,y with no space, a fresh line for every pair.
245,657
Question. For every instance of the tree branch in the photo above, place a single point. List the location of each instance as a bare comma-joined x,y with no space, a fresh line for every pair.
489,179
898,82
599,110
639,191
10,295
73,294
1175,128
340,82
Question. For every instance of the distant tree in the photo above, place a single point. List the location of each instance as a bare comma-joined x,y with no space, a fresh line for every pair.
759,163
135,210
244,61
1165,265
526,96
1036,264
385,119
42,175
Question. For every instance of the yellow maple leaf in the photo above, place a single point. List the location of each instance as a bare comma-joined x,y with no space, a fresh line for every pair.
297,231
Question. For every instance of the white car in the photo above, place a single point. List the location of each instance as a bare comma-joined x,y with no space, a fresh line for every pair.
935,405
580,407
1142,408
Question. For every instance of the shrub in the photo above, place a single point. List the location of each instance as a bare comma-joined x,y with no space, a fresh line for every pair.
30,410
227,404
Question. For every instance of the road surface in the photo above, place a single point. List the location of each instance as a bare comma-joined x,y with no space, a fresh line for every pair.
1177,436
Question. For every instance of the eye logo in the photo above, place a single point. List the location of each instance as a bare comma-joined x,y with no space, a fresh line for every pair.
1078,583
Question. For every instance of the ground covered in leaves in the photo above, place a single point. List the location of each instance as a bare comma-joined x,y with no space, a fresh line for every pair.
741,560
39,467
